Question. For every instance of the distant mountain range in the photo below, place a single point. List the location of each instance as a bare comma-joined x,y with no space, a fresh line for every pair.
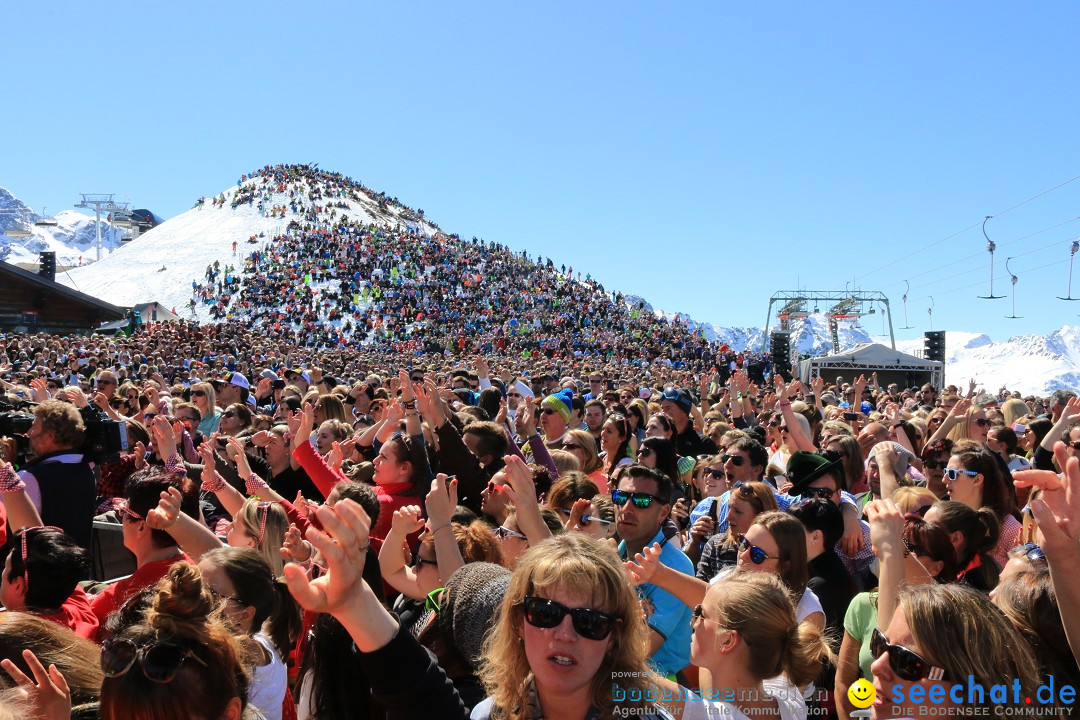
73,238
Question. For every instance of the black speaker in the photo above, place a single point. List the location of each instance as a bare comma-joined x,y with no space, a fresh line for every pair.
934,345
47,265
780,345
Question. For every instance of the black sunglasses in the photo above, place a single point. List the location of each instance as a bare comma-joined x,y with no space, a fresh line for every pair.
641,500
736,460
229,414
715,472
160,661
588,623
935,464
199,393
757,555
644,452
906,664
823,493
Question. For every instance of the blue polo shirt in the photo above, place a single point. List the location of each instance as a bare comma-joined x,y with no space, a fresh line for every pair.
671,618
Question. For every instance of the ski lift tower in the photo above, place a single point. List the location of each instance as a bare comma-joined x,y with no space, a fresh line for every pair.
98,202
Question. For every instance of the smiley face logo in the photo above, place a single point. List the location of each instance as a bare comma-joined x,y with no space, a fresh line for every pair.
861,693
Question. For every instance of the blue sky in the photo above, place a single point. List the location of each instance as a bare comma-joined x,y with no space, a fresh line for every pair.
702,155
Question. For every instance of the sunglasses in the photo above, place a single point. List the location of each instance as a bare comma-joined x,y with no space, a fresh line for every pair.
906,664
588,623
1030,550
570,446
431,603
549,411
717,473
757,555
641,500
493,487
953,473
914,549
126,511
222,598
517,395
586,519
420,560
773,423
504,532
699,614
229,414
160,661
736,460
935,464
198,393
645,452
822,493
981,422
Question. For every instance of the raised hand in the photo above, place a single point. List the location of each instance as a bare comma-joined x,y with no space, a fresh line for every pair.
407,520
167,511
294,548
343,545
48,691
643,567
442,499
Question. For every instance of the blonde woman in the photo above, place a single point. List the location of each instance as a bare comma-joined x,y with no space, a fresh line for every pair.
204,398
569,640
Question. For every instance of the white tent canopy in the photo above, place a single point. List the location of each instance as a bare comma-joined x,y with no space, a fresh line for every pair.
892,366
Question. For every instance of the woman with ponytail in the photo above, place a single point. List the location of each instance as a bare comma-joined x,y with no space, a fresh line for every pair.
974,535
180,662
758,654
261,609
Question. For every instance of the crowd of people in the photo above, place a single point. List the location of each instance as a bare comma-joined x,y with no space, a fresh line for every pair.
404,475
317,533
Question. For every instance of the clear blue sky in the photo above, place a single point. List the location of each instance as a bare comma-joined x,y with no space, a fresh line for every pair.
702,155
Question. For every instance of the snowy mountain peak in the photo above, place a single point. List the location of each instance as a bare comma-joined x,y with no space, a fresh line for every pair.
73,238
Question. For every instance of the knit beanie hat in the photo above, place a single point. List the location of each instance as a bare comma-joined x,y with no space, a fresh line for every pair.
561,402
471,605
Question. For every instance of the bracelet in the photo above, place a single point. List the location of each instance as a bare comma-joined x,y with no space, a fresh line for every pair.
408,404
10,481
444,525
784,403
253,484
215,484
175,464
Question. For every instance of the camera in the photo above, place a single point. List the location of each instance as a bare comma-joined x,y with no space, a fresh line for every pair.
103,438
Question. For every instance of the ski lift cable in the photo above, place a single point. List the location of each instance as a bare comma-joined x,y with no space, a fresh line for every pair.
947,267
969,227
977,284
1055,244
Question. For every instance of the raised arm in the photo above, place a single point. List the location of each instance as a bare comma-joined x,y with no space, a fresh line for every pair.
190,535
647,568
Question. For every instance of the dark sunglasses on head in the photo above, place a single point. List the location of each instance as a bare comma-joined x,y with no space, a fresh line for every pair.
914,549
905,664
588,623
757,555
641,500
736,460
160,661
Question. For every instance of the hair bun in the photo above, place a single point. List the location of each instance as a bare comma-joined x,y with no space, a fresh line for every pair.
181,603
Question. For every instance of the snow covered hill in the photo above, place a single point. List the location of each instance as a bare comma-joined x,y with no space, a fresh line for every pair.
160,265
73,238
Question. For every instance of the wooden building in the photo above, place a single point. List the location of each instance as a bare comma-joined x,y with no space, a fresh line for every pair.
31,303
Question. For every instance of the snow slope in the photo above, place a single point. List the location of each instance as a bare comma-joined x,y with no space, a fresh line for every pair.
73,238
161,264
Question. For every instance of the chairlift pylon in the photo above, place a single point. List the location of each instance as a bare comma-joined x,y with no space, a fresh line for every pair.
1014,316
990,248
1072,255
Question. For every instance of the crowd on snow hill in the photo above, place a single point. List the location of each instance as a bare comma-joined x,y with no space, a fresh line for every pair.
362,532
331,280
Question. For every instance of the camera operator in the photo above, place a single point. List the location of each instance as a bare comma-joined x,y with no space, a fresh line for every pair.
59,480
